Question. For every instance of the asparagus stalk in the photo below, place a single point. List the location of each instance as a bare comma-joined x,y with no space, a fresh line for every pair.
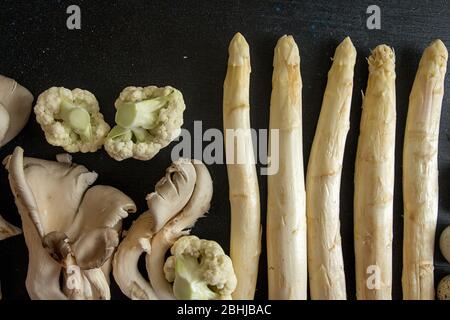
374,180
325,261
286,218
420,173
245,242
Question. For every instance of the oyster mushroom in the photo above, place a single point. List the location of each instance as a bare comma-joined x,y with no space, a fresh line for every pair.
180,198
7,230
69,228
15,108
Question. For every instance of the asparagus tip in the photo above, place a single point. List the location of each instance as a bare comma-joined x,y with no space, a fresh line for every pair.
437,48
439,44
287,50
238,50
434,60
345,50
347,43
382,57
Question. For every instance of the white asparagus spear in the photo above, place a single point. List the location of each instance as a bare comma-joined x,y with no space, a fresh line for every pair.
325,261
374,180
286,217
420,173
245,237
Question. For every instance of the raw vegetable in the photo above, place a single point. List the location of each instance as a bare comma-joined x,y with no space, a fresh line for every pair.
444,243
71,119
171,194
286,217
70,231
245,237
176,227
15,108
125,263
325,260
4,122
64,158
374,180
180,198
7,230
199,270
148,119
420,173
443,289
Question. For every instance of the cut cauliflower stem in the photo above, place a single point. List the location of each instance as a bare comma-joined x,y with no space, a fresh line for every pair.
71,119
199,270
148,119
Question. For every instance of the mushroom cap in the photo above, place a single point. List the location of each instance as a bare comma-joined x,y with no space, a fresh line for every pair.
16,100
172,192
4,122
443,289
444,243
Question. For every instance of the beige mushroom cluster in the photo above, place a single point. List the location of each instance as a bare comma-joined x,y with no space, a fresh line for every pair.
181,197
71,230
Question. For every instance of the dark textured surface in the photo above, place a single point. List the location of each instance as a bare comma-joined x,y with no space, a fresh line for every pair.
184,44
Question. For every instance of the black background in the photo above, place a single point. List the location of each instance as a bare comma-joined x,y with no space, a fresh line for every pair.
184,44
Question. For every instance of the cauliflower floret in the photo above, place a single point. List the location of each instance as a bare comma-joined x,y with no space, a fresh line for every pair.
199,270
71,119
148,119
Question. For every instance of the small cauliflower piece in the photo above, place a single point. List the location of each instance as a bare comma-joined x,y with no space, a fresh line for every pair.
71,119
147,119
199,270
